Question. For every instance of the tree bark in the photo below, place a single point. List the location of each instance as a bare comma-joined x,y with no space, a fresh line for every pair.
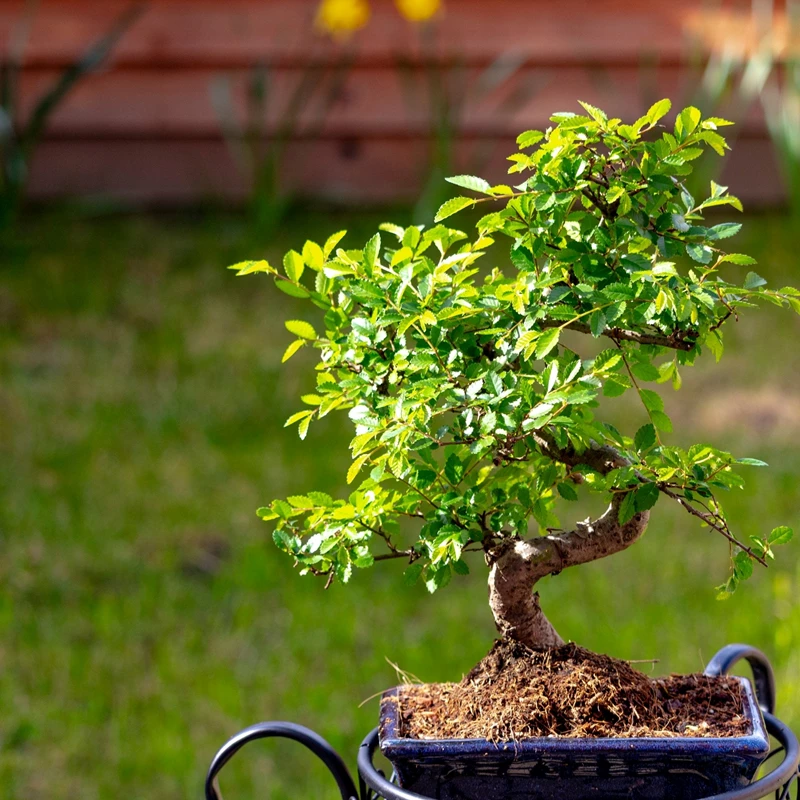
517,564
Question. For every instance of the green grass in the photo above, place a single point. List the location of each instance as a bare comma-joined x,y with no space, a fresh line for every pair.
144,613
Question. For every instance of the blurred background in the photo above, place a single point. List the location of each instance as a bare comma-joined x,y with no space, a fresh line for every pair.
144,614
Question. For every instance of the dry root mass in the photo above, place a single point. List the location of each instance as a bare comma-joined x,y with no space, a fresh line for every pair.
516,693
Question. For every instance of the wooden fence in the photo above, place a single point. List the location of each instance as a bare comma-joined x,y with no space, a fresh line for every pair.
145,129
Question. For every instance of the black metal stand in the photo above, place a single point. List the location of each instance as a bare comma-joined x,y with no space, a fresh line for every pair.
373,784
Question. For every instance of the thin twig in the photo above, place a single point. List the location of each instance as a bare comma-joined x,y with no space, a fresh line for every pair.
709,520
620,334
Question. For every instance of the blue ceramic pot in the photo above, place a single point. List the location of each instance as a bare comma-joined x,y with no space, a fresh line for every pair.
552,768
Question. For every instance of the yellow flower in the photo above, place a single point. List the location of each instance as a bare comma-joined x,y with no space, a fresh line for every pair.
342,17
418,10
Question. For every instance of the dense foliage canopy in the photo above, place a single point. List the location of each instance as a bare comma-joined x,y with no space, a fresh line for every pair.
474,373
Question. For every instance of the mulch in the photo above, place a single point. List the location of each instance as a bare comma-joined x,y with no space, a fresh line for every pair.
515,693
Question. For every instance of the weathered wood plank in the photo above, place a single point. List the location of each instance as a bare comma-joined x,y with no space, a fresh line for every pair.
371,102
145,128
241,32
172,173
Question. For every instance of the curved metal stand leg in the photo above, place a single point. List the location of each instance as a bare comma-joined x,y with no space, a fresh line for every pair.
373,780
285,730
763,676
781,778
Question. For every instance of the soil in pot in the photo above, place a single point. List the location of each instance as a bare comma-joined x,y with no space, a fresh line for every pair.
516,693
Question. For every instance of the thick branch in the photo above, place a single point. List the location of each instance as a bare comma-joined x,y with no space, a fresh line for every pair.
518,564
673,342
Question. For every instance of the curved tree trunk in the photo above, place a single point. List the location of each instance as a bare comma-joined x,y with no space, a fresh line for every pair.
516,565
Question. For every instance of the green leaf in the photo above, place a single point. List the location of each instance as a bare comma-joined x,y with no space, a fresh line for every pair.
363,326
302,428
300,328
627,508
461,567
645,437
403,254
646,496
312,255
686,122
753,281
780,535
567,491
540,410
652,400
371,251
470,182
607,360
451,207
658,110
282,509
292,289
321,498
724,230
454,469
742,566
547,341
488,423
474,389
661,421
293,265
716,122
292,349
438,578
717,142
284,541
296,416
738,258
332,241
597,323
666,371
726,590
355,467
717,190
644,371
395,230
249,267
412,573
529,138
615,385
700,253
595,113
752,462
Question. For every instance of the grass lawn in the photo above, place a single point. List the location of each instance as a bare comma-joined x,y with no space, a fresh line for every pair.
144,613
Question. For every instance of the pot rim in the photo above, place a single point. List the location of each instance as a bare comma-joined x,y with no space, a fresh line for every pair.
756,743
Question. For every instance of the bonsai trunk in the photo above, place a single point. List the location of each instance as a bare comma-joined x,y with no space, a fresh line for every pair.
517,564
521,563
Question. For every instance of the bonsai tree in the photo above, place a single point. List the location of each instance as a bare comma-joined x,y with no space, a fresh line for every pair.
475,373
